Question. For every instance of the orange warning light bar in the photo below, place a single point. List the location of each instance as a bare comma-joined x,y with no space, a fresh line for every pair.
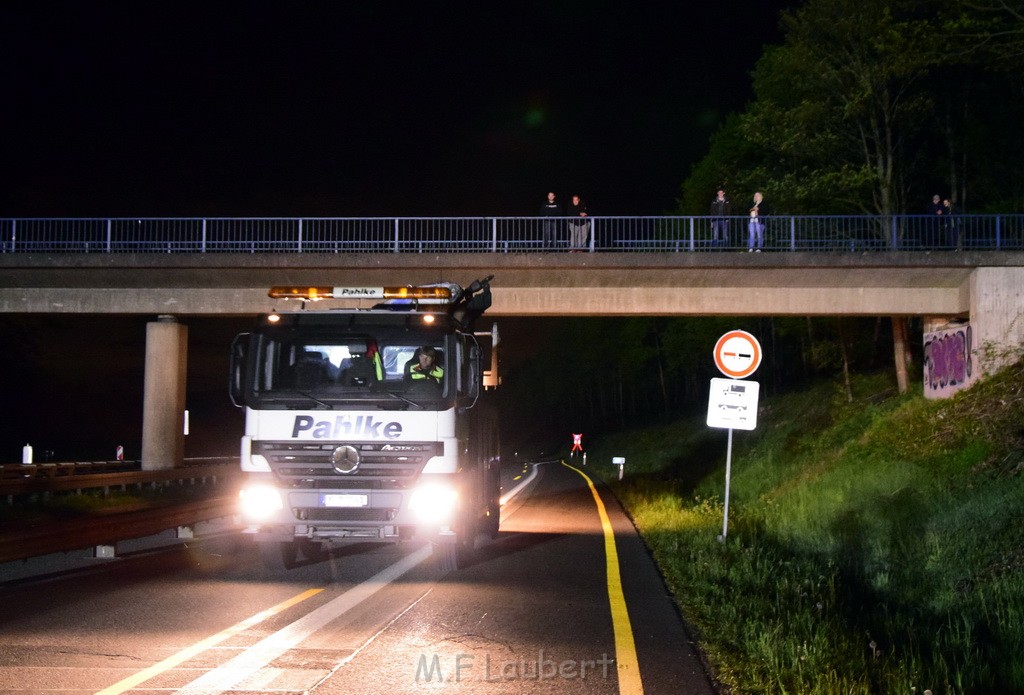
435,294
313,293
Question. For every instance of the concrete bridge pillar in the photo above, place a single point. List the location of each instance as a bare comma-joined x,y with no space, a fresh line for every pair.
163,403
997,316
958,351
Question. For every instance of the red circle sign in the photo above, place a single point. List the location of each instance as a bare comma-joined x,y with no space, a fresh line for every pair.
737,354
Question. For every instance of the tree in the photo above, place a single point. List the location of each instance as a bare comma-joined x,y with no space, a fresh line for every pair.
841,102
992,29
727,164
980,89
872,107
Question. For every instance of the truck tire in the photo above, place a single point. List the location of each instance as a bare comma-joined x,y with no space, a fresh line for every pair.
448,553
278,556
458,549
312,551
492,523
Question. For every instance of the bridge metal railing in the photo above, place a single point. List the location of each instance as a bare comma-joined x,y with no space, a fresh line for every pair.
835,233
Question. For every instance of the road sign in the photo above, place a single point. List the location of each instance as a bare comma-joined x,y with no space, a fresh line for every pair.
732,404
737,354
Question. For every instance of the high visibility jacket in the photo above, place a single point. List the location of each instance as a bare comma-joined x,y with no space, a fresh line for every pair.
374,354
435,374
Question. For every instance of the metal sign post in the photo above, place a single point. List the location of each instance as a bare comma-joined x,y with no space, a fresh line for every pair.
728,470
733,403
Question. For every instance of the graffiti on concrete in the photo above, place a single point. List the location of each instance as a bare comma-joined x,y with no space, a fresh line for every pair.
948,366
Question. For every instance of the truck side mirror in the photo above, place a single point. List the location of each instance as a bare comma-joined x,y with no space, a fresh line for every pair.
475,370
236,374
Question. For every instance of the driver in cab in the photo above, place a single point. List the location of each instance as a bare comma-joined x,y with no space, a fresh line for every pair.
427,369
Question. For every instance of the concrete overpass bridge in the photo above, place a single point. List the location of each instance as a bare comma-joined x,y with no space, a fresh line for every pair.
983,289
955,284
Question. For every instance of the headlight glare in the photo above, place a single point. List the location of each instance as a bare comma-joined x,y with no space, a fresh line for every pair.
434,503
260,501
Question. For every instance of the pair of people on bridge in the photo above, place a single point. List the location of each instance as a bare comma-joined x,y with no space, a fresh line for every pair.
721,210
579,225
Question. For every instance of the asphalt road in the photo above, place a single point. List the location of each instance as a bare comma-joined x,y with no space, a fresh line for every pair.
543,609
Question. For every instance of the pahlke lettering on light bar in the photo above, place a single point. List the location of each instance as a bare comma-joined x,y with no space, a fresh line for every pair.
314,293
360,292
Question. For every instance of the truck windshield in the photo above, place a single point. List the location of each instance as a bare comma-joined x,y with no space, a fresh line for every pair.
309,370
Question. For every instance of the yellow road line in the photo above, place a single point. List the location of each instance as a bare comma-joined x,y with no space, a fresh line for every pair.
201,646
625,648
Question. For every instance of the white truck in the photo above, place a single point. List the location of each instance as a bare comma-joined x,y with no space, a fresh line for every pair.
346,440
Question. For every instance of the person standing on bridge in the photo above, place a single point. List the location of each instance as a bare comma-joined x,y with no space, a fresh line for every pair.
579,227
950,225
933,226
550,210
755,232
721,209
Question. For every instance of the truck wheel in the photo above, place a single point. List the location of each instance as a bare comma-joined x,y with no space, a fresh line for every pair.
492,524
278,556
448,549
313,551
457,549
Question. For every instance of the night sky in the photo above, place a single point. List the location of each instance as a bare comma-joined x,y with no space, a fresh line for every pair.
335,108
364,109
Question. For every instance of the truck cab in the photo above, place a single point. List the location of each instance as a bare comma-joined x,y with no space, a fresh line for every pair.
343,443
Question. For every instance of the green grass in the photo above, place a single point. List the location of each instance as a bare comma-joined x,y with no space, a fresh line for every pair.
873,547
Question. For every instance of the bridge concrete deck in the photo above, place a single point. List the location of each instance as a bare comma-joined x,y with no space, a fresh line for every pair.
534,284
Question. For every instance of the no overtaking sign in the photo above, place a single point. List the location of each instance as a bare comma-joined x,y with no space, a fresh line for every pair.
737,354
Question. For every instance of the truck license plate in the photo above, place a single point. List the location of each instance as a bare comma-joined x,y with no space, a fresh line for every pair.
346,500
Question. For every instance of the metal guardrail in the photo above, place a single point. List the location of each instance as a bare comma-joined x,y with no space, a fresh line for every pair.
10,471
46,478
830,233
108,529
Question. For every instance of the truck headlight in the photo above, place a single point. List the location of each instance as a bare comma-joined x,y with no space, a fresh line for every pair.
434,503
260,501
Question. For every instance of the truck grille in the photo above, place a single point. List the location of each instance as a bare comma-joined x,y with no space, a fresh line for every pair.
359,514
382,466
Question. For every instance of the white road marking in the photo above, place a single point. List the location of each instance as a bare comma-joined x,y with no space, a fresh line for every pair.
262,653
521,486
368,642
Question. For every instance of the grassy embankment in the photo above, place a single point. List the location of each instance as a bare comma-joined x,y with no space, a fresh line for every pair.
873,547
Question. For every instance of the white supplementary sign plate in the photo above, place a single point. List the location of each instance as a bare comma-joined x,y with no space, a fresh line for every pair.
346,500
732,404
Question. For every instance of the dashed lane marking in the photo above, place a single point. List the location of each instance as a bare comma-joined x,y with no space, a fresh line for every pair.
201,646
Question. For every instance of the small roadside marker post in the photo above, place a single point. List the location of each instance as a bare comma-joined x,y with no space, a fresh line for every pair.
619,461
